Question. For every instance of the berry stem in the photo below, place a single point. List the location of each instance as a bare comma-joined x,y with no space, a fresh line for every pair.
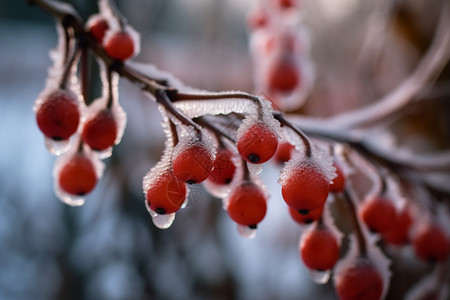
68,67
173,130
120,18
349,199
285,123
109,87
219,133
84,69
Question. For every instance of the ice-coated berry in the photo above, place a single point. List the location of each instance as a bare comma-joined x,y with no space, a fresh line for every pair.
319,249
119,45
193,164
247,205
224,169
257,144
431,243
100,131
77,176
58,115
378,213
166,194
312,216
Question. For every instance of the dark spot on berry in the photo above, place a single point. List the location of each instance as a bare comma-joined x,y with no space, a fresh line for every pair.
253,158
81,193
57,138
309,221
191,181
253,226
303,211
432,259
228,180
160,211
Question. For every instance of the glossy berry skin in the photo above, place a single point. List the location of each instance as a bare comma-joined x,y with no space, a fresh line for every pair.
119,45
98,29
313,215
305,188
100,132
398,234
247,205
431,243
338,184
319,249
193,164
283,75
360,282
284,152
378,213
223,169
257,144
167,194
77,176
58,115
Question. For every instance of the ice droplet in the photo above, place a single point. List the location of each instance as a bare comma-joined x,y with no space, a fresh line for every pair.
320,277
254,169
104,154
160,221
57,147
247,232
72,200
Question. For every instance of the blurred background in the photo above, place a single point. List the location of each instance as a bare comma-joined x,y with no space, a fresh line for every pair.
109,248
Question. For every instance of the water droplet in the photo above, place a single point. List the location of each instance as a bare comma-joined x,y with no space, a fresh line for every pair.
320,277
160,221
254,169
247,232
57,147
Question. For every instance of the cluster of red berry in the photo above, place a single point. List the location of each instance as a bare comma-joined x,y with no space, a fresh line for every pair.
83,134
200,149
280,49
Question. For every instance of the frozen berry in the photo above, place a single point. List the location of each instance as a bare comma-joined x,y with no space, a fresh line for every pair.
319,249
119,45
359,282
58,115
100,132
247,205
305,188
378,213
193,164
166,194
77,176
284,152
98,29
257,144
223,170
398,234
338,184
283,75
431,243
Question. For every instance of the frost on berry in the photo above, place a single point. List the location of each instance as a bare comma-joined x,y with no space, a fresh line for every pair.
194,154
57,115
357,276
305,181
247,204
76,174
378,213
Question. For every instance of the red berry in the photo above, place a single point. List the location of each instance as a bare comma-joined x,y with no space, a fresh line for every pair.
100,132
319,249
119,45
360,282
338,184
223,170
305,188
98,29
247,205
257,19
77,176
313,215
283,75
58,115
398,234
166,194
285,4
284,152
431,243
193,164
257,144
378,213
